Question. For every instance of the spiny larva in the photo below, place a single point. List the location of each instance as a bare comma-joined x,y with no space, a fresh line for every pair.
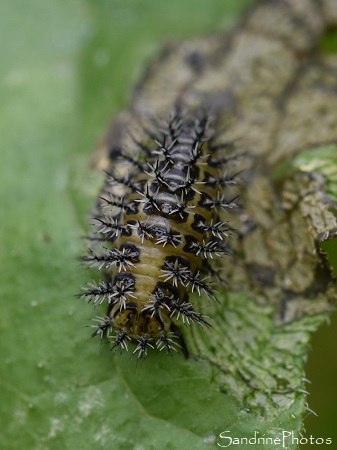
159,226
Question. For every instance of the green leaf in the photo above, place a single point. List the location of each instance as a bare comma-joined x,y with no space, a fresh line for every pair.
321,159
66,68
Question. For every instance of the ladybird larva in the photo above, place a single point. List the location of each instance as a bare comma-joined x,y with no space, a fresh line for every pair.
160,227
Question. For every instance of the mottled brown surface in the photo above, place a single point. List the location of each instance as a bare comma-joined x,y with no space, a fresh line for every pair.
277,94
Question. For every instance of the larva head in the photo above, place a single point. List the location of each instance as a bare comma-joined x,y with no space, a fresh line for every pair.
139,324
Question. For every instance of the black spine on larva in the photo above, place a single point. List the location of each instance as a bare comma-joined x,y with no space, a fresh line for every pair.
158,229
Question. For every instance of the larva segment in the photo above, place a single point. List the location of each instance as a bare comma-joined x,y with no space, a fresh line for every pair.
160,227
